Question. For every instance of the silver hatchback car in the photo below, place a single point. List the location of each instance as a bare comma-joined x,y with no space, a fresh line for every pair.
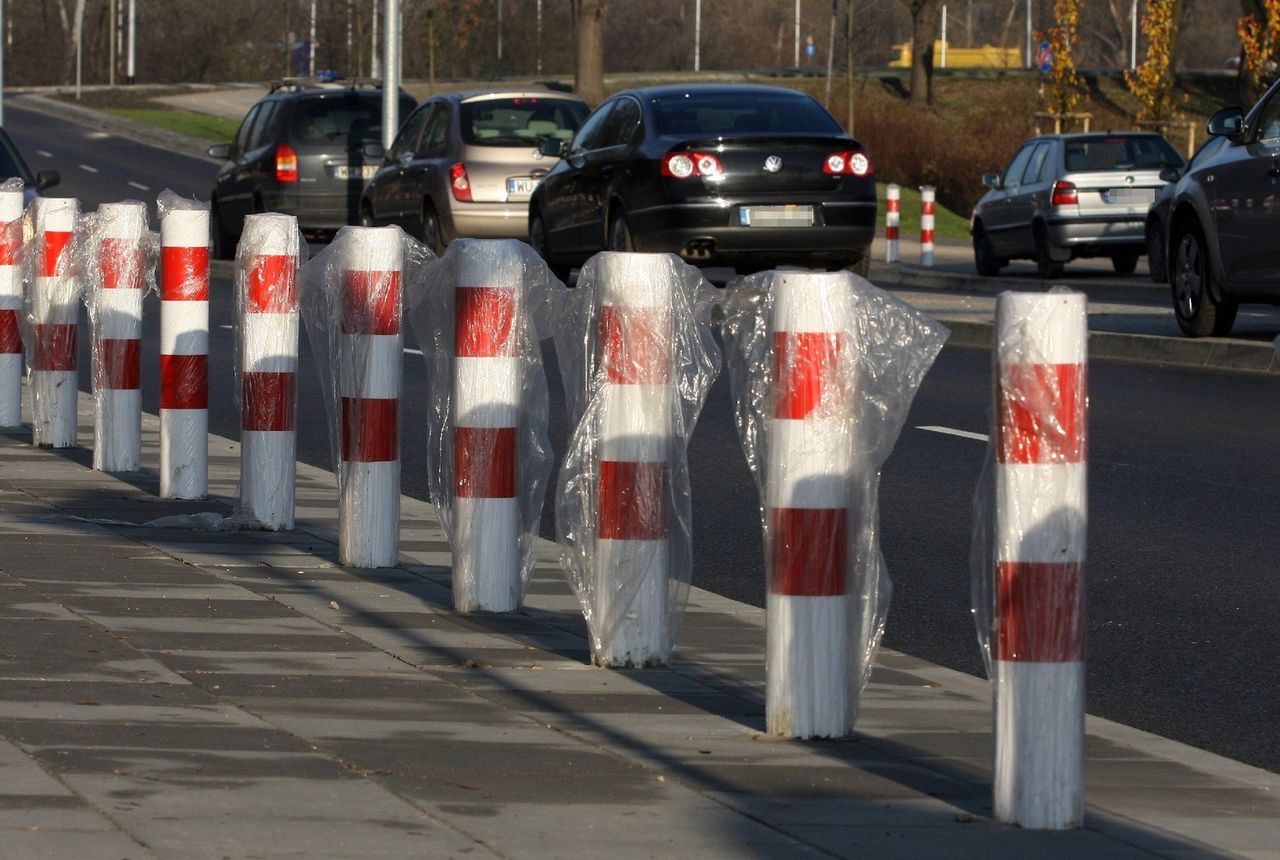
1065,196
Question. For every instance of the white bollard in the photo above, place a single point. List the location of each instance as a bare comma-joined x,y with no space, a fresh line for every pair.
809,481
927,209
184,352
115,311
892,218
11,304
55,316
369,371
1040,515
487,386
635,444
267,299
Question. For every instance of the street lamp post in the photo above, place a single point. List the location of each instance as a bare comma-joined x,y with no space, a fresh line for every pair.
391,73
796,61
1133,36
697,35
311,43
133,42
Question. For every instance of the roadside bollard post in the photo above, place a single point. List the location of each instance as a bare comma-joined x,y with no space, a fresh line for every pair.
267,299
11,303
117,263
184,348
927,209
55,305
1030,581
892,218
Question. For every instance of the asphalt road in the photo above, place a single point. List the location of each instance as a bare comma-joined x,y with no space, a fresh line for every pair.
1184,497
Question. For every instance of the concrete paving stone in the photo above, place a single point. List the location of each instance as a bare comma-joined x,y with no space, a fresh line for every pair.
188,766
156,734
20,776
38,648
100,692
227,642
349,720
59,842
1256,837
88,712
203,589
1125,769
230,628
245,606
408,688
284,660
844,812
1183,802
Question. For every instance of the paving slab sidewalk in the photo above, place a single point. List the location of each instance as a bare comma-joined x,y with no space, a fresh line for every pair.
172,692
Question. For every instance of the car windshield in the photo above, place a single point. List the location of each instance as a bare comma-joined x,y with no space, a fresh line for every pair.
332,120
734,113
1120,152
520,121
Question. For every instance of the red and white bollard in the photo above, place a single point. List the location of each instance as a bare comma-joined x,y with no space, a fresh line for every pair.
487,387
809,480
11,304
927,210
369,371
55,306
267,297
184,350
1040,516
892,218
115,311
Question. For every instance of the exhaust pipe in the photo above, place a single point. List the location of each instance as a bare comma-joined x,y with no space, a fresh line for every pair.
699,249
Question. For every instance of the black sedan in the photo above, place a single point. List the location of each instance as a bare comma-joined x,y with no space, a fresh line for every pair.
733,175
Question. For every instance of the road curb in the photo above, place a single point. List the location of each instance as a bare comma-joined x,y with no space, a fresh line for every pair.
139,131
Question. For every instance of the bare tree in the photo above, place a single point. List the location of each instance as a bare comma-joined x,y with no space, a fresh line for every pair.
924,26
588,71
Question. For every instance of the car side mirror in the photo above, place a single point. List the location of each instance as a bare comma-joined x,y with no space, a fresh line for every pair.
220,150
990,180
1228,122
47,179
1171,174
374,151
552,148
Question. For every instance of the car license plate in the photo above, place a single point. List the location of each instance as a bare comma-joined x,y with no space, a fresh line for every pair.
1129,196
346,171
790,215
521,185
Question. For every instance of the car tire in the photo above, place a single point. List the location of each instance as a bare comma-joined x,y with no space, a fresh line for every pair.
985,259
1124,264
620,234
1046,266
538,239
1156,254
1191,282
224,245
432,236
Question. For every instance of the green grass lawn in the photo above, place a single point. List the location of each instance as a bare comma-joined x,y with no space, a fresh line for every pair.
946,224
214,129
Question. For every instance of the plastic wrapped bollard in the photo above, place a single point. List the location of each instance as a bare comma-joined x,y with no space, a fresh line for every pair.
115,261
1029,557
352,305
637,356
478,319
823,369
267,313
11,303
184,347
54,313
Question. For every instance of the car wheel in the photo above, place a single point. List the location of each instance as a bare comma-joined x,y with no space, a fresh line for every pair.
1198,313
985,259
1156,254
224,245
431,234
620,234
538,239
1124,264
1046,266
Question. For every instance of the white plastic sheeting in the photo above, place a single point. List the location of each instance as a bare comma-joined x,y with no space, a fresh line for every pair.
479,317
11,303
823,367
53,314
637,357
1029,557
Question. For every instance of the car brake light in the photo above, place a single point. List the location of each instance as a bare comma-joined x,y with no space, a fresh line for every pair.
286,163
682,165
1064,194
850,163
459,184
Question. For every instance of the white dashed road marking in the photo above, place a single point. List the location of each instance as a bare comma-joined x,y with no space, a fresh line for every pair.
950,431
44,153
139,186
88,169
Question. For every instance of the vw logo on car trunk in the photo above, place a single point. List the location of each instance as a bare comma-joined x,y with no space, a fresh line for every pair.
773,164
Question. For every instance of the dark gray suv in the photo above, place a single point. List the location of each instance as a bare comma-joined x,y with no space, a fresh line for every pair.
299,151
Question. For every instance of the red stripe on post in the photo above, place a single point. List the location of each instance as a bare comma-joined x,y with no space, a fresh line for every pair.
11,243
370,302
926,235
184,274
370,430
55,242
633,500
484,322
10,333
927,207
273,284
808,551
121,363
1042,413
484,462
892,204
1040,612
805,365
54,347
121,264
184,382
635,345
891,232
267,401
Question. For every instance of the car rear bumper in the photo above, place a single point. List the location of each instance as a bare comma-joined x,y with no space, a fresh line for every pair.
488,220
1102,233
315,210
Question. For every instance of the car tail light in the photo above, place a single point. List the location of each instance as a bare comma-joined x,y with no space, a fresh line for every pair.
682,165
286,163
849,163
458,182
1064,194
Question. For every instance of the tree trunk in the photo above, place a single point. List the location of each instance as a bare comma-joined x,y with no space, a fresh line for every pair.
588,76
924,29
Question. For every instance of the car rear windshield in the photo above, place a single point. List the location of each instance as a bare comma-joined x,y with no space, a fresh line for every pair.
734,113
334,119
520,121
1120,152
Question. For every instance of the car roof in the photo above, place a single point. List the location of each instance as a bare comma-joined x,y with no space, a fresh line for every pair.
668,90
506,93
1077,135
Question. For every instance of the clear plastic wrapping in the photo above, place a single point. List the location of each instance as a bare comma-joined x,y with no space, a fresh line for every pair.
53,317
479,317
352,304
823,368
266,284
637,357
11,310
